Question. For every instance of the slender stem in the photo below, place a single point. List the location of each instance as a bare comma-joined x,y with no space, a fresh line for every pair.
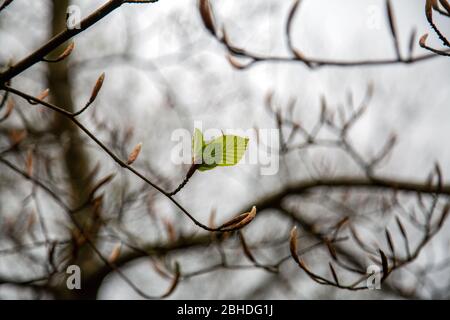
190,173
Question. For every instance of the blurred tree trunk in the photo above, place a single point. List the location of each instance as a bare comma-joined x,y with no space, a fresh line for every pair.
75,158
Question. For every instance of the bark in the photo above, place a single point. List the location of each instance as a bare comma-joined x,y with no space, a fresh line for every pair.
75,156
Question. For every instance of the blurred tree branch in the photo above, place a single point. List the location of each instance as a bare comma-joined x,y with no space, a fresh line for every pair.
297,56
79,193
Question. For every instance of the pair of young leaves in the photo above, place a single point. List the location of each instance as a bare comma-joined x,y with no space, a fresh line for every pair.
226,150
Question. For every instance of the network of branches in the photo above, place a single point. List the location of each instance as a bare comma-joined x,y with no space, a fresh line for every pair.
366,218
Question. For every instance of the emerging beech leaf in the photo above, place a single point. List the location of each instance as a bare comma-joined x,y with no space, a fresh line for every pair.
230,148
226,150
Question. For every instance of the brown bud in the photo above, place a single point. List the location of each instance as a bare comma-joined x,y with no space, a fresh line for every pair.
115,253
17,136
225,38
207,16
212,218
159,268
29,163
63,55
298,54
293,243
41,96
422,40
235,63
429,9
31,220
175,281
239,222
134,154
97,87
66,52
172,234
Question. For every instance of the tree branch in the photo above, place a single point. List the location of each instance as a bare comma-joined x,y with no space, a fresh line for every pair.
63,36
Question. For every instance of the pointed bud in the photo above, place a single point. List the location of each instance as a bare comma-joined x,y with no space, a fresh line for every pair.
171,233
115,253
63,55
207,16
175,281
239,222
16,136
293,242
134,154
429,10
41,96
422,40
235,63
66,52
97,87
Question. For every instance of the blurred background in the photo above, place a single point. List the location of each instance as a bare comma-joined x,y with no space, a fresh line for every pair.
165,71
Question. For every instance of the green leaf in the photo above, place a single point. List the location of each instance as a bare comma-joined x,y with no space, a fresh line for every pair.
226,150
230,148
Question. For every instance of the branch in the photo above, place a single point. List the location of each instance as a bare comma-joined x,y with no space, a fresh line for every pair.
313,63
273,201
72,117
63,36
5,4
91,242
